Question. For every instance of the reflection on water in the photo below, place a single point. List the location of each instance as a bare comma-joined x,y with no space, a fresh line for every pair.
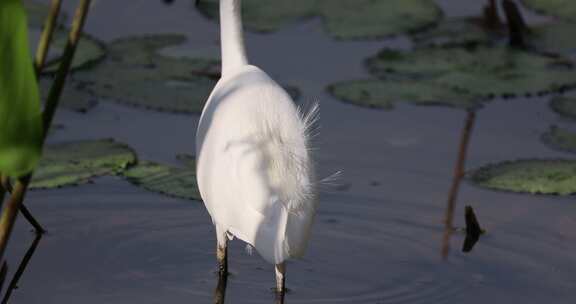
21,268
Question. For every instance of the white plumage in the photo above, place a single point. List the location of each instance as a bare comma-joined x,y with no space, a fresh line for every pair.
255,172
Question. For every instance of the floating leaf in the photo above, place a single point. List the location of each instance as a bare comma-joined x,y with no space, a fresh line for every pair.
535,176
79,162
457,32
385,93
165,179
73,96
565,106
481,71
345,19
565,9
134,73
20,113
560,139
88,52
553,37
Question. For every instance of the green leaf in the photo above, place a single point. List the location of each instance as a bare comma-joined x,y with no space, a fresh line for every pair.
560,139
483,71
385,93
79,162
535,176
565,106
344,19
165,179
553,37
565,9
20,113
136,74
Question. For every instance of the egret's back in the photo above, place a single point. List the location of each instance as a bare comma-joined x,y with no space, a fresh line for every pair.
255,172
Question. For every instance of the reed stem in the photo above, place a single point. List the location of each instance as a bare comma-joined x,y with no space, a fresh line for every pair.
457,178
11,210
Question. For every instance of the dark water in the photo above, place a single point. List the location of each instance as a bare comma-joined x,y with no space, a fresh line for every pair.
377,240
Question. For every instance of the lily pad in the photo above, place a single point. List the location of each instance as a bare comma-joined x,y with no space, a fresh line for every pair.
73,96
79,162
488,72
165,179
535,176
136,74
344,19
565,9
560,139
385,93
553,37
565,106
456,32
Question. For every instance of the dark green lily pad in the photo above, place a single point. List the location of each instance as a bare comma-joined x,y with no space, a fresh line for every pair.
385,93
565,106
344,19
165,179
73,96
553,37
134,73
560,139
482,71
79,162
565,9
535,176
455,32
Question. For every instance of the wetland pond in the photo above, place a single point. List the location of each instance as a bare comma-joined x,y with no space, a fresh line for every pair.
379,227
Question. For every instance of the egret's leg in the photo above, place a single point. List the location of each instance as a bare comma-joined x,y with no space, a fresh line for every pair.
222,251
280,278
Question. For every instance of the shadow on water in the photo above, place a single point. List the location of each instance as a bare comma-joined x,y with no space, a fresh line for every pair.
21,268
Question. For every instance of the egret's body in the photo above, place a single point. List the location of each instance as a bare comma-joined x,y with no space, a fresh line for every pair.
254,168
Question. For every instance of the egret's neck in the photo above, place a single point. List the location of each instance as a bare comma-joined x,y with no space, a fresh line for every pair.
231,36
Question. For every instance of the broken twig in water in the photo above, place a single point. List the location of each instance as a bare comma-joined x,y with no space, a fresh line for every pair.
458,175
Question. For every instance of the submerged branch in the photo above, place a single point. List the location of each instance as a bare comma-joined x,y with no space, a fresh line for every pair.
457,178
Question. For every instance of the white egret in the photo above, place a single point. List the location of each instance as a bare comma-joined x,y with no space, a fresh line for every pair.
254,167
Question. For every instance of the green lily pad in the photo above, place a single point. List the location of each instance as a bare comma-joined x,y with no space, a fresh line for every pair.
165,179
560,139
565,9
344,19
135,74
455,32
79,162
553,37
565,106
385,93
483,71
73,97
535,176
